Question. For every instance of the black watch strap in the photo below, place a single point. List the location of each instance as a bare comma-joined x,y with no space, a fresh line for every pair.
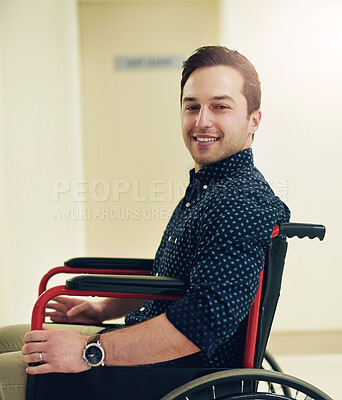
94,339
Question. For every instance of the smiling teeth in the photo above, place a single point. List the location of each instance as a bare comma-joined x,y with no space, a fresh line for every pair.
206,139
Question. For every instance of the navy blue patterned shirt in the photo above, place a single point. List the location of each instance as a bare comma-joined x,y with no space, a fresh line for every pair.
216,240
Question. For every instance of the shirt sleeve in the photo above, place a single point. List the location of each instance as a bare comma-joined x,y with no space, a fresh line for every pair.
225,273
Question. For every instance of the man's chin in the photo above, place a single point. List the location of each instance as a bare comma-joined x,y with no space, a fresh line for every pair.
199,164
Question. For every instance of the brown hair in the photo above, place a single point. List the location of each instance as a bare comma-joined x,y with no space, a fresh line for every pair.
209,56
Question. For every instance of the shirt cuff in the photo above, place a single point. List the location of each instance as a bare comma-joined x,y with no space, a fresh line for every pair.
189,320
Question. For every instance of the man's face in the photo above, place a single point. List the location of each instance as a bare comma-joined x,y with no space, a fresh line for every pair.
214,118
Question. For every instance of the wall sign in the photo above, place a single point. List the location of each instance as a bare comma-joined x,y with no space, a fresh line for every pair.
154,62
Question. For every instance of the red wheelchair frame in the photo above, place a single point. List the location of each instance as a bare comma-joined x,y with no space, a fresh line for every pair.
45,295
170,288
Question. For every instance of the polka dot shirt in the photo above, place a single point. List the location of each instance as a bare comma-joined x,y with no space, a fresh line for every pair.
216,240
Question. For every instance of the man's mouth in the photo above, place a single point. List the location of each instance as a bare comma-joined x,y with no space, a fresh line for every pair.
206,139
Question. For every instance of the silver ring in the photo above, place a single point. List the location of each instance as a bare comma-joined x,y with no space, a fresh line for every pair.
41,357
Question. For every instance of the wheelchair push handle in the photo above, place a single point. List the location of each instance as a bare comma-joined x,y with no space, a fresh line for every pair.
292,229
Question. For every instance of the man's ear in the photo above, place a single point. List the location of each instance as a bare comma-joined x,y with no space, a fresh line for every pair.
254,121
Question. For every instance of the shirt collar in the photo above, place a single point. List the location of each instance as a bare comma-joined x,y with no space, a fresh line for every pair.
223,168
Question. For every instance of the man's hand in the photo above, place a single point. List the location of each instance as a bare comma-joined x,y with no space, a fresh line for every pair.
61,351
74,311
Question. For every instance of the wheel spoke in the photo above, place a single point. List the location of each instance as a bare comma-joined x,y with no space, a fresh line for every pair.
255,396
214,392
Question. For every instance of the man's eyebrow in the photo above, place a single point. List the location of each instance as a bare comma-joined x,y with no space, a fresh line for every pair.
216,98
188,99
223,97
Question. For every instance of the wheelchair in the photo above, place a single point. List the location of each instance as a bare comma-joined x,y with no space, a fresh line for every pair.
131,279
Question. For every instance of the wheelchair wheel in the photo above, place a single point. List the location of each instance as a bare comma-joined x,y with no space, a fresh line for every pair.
246,384
269,363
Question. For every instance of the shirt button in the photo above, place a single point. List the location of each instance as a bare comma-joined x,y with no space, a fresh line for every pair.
169,239
142,309
187,204
157,274
176,240
205,186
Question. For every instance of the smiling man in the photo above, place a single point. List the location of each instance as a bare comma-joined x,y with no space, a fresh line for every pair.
215,119
216,240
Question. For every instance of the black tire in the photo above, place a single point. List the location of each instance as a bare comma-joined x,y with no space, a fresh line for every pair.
246,384
269,363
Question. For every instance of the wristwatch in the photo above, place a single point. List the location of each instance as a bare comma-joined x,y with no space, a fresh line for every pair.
93,354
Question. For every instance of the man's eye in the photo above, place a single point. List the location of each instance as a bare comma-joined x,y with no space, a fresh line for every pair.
222,107
191,108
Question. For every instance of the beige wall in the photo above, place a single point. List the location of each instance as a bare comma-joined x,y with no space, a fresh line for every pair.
40,145
296,49
3,222
132,138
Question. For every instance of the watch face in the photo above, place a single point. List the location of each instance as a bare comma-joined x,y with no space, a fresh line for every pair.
94,355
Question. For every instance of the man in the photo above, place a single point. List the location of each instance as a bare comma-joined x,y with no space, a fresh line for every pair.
216,240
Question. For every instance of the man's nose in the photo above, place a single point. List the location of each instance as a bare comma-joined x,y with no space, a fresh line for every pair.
204,118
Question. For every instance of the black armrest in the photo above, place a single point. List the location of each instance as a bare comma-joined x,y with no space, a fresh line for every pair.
110,263
156,285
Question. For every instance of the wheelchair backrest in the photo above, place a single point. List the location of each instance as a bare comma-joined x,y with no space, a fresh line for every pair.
272,278
273,272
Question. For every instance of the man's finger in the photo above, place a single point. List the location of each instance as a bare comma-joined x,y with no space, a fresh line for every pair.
58,317
33,347
34,358
65,300
61,299
36,336
77,309
39,369
56,314
56,306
